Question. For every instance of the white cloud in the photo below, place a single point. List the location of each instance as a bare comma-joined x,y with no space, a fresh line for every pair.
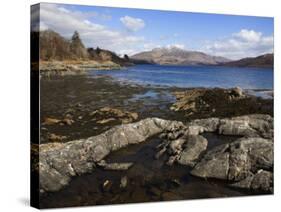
132,24
63,10
43,26
245,43
176,45
248,35
65,22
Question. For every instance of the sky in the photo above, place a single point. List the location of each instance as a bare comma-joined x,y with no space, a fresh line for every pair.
129,31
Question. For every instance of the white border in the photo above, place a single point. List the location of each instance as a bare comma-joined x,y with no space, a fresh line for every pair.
14,87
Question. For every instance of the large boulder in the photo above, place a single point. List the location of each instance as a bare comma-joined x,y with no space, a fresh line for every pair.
239,162
215,164
255,125
250,125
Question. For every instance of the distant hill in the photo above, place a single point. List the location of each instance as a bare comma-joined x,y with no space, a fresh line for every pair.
265,61
177,56
55,47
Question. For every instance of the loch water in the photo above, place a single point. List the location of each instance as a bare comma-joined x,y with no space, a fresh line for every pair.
195,76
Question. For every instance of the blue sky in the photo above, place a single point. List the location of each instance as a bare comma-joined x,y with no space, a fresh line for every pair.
133,30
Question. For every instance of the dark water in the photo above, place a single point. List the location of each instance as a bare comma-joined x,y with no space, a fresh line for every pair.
195,76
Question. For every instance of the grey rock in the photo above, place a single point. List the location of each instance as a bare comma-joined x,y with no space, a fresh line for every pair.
260,152
216,166
250,125
255,125
239,164
261,181
207,125
239,161
195,130
175,146
194,146
115,166
235,127
124,182
60,162
184,150
245,183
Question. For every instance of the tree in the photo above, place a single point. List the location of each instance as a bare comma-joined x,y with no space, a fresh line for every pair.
98,50
75,36
77,47
76,41
126,57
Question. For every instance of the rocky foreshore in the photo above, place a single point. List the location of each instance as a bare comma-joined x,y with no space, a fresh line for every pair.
100,145
245,163
61,68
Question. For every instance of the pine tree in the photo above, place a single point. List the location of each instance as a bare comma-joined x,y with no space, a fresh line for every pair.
77,47
98,50
126,57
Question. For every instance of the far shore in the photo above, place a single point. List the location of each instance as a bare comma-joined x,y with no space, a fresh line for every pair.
72,67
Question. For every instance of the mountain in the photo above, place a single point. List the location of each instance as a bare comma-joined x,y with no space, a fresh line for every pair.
263,61
54,47
177,56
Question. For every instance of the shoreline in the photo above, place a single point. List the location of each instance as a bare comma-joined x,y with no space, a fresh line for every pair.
102,91
268,92
49,68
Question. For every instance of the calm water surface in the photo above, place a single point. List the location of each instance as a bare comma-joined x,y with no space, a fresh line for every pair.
195,76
